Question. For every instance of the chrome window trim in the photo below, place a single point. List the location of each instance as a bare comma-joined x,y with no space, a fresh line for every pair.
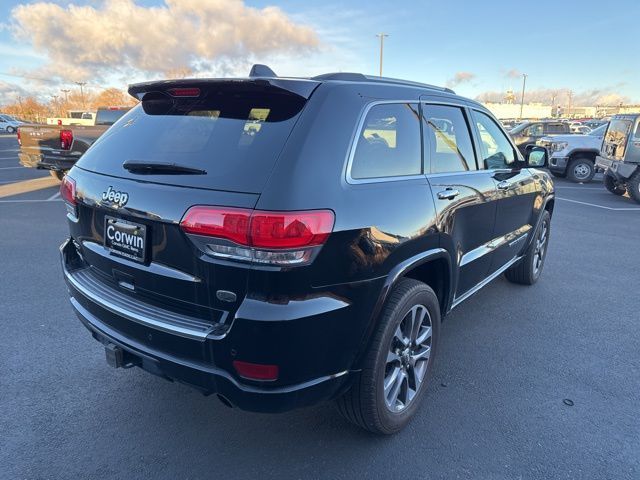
354,143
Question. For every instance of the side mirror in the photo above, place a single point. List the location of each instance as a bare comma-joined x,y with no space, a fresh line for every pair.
537,157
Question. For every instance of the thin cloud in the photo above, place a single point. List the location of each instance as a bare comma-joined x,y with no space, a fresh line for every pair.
94,42
513,73
460,77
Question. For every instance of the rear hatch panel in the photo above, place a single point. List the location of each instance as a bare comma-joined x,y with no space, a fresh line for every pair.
175,275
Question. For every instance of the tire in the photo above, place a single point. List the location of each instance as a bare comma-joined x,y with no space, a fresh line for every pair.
613,186
558,174
581,170
367,403
633,186
527,271
10,129
57,174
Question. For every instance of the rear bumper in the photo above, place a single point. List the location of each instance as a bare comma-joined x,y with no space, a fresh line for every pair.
46,162
165,350
209,379
620,170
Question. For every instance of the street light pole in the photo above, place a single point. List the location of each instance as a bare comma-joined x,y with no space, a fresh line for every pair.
81,84
381,35
570,102
66,94
524,83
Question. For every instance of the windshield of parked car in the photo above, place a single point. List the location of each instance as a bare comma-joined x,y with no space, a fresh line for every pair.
598,132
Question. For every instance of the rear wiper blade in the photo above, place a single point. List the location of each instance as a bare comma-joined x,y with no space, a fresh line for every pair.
161,168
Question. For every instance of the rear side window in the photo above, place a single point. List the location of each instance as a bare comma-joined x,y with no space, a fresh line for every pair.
637,134
447,141
389,143
534,130
233,132
615,140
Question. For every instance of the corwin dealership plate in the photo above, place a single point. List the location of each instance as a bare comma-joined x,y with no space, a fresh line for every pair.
125,238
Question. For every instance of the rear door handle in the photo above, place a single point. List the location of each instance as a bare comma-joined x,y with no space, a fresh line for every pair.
448,194
503,185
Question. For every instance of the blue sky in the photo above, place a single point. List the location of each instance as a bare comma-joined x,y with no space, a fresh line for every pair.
587,46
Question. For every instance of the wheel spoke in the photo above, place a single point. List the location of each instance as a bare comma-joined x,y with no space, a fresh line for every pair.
418,318
394,390
423,354
390,380
392,357
400,336
424,336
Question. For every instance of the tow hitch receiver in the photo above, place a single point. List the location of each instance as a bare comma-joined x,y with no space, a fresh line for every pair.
119,358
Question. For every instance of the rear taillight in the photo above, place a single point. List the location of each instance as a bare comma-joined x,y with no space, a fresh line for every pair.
68,194
277,238
66,139
19,138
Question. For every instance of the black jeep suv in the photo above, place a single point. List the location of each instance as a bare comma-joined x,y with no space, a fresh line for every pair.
284,241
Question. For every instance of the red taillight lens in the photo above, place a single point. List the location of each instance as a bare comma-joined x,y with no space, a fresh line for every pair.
19,138
184,92
66,139
228,223
290,229
68,190
277,238
256,371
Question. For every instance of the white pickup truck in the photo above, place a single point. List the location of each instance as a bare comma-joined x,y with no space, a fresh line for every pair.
574,156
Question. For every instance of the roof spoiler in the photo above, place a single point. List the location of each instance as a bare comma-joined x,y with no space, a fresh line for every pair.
301,87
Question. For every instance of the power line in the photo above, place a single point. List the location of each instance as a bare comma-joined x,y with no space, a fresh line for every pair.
49,80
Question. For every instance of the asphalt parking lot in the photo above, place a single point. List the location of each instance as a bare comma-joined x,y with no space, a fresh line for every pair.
530,382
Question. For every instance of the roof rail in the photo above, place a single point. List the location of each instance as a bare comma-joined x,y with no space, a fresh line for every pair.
359,77
259,70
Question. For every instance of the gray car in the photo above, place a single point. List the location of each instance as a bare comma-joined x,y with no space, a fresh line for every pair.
8,123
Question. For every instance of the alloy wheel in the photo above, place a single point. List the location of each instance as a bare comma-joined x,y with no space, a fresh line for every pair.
540,247
408,358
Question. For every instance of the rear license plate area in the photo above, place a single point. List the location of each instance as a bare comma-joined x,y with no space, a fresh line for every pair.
125,239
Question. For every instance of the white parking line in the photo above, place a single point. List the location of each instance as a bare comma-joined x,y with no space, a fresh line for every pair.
558,187
599,206
10,168
53,197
